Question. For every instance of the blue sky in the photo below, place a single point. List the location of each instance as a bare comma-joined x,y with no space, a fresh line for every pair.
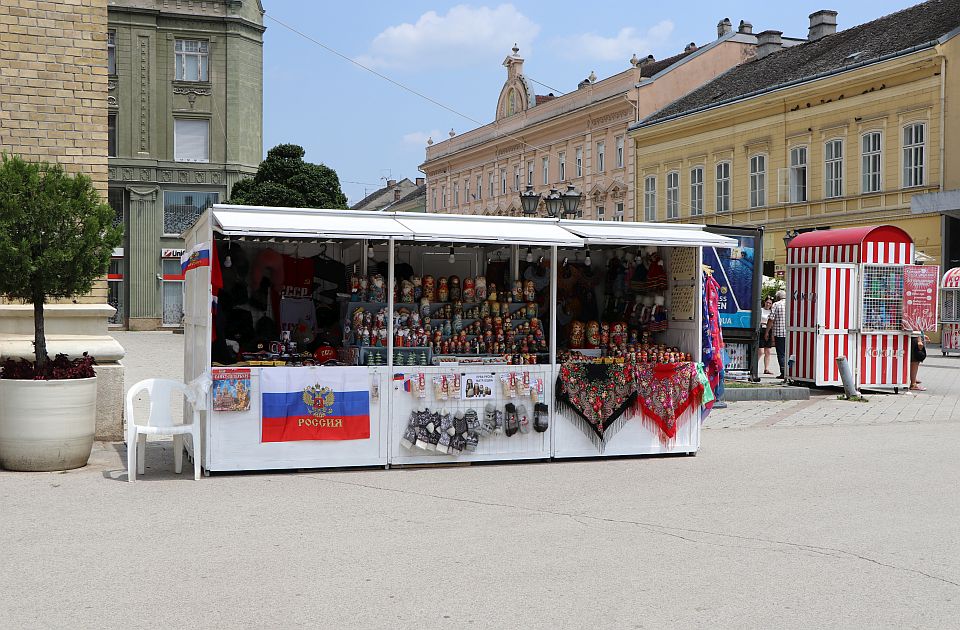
370,130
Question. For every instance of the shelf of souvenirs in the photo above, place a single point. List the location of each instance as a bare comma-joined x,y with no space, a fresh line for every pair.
425,357
642,353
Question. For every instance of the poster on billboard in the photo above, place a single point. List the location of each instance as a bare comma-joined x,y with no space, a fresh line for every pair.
733,270
920,292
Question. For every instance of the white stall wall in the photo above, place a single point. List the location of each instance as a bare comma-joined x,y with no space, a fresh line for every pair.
531,445
233,438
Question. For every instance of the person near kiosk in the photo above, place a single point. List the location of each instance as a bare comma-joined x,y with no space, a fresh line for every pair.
766,334
777,323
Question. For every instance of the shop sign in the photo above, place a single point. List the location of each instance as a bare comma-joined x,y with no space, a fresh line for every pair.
231,389
733,270
477,386
171,253
920,297
315,403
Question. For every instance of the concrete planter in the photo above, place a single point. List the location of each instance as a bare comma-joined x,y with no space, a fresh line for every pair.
47,425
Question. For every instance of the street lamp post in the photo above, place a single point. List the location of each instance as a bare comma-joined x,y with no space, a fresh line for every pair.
571,201
530,201
557,203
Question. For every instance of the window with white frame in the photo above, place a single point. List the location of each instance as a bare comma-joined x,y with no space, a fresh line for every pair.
503,181
191,58
673,195
599,213
456,194
479,187
516,178
650,198
798,174
562,161
545,166
758,181
191,140
618,212
696,191
619,151
111,52
530,172
871,144
914,139
600,157
443,196
723,187
833,168
579,156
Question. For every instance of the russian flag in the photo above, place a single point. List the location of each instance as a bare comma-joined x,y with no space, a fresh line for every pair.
199,256
315,403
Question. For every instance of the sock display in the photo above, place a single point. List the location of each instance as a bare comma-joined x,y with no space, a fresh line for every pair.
541,417
510,422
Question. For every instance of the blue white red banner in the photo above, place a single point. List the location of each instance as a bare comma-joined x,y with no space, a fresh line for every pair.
315,403
198,256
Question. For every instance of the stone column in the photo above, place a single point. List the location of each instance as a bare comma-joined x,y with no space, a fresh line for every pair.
145,225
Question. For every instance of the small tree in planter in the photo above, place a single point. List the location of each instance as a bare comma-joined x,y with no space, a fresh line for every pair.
56,238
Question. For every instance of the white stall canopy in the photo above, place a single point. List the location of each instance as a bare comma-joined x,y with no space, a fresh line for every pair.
463,228
624,233
306,223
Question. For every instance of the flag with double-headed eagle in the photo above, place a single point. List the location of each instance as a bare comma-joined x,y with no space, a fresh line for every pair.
315,403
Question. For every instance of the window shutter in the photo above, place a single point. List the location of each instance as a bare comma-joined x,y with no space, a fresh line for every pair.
191,140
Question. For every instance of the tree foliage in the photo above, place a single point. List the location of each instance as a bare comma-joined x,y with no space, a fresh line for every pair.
284,179
56,236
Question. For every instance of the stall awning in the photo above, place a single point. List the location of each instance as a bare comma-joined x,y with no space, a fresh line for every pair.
306,222
487,229
622,233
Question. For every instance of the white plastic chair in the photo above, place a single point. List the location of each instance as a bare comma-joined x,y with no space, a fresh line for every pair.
160,421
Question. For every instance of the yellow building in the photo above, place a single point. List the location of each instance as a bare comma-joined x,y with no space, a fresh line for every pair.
842,130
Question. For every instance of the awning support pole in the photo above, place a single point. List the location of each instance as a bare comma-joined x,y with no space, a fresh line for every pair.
391,280
554,307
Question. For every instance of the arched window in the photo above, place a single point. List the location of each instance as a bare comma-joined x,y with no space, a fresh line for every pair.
512,102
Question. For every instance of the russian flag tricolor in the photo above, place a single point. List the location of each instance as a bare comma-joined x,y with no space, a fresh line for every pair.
199,256
315,403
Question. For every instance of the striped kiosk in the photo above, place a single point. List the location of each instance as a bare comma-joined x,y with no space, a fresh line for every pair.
845,298
950,312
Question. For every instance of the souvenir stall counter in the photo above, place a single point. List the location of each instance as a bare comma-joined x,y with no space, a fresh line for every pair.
629,376
950,312
339,338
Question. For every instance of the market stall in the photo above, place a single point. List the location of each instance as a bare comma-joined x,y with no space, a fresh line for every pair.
950,313
845,297
339,338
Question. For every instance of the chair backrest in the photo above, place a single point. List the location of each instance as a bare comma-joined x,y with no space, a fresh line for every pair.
159,390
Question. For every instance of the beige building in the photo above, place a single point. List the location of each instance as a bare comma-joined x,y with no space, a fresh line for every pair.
850,128
53,107
388,195
577,138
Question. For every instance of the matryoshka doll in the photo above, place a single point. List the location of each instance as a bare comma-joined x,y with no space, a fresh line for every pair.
604,335
532,310
469,290
417,288
364,289
424,308
406,292
378,289
576,334
454,286
429,289
481,288
593,334
492,292
529,291
354,288
517,294
443,290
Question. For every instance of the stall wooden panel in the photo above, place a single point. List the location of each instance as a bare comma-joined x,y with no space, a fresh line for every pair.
801,311
835,318
884,360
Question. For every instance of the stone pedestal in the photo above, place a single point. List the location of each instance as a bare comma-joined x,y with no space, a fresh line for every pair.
73,329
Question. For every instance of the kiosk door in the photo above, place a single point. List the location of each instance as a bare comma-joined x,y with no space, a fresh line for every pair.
838,294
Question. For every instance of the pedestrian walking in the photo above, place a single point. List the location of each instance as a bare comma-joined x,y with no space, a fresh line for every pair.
766,334
777,322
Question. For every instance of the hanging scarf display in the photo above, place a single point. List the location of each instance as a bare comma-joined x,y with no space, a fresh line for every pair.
601,397
595,396
712,337
664,392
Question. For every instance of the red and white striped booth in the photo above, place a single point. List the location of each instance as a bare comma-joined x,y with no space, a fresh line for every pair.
950,311
845,298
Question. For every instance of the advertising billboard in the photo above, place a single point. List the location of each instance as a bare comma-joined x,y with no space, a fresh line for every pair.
734,270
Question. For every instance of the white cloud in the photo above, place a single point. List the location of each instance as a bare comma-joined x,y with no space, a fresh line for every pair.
464,36
419,138
620,47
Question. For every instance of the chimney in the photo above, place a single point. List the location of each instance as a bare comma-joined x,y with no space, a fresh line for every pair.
746,27
690,47
822,23
724,26
421,181
768,42
396,194
391,183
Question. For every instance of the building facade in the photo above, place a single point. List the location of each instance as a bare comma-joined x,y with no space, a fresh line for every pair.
185,114
843,130
576,139
388,195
